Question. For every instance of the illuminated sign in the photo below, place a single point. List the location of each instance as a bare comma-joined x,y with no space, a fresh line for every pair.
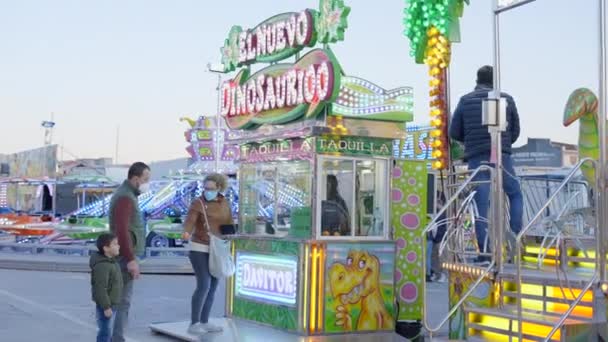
416,144
267,278
275,39
284,35
274,149
355,145
282,92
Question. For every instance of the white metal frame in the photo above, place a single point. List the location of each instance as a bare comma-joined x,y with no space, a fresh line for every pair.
320,192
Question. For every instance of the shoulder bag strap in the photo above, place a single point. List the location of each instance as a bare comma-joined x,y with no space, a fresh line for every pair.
205,215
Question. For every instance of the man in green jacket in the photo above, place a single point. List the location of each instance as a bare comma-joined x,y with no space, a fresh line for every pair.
106,284
126,222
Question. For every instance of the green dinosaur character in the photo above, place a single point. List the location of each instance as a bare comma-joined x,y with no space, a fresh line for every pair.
582,105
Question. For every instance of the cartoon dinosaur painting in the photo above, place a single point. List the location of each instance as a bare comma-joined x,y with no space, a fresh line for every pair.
358,282
582,105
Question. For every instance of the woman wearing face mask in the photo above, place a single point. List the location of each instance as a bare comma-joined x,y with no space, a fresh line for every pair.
205,216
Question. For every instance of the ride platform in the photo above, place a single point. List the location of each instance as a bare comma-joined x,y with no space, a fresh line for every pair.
236,330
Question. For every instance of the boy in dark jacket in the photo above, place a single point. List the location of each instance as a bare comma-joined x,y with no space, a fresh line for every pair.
106,284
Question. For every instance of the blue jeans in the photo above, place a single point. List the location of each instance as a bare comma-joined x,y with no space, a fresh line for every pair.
482,197
202,298
122,317
105,325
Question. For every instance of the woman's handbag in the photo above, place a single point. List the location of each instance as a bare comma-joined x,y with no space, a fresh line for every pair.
221,264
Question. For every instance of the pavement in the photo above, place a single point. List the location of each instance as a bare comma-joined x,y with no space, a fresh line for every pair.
56,306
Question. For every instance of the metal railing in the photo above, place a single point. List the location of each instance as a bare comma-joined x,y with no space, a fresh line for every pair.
518,246
454,197
83,250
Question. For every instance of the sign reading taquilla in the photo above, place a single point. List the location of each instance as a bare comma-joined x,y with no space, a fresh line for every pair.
354,145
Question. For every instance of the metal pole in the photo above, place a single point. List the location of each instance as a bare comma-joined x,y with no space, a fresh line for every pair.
218,124
54,200
116,147
602,199
498,216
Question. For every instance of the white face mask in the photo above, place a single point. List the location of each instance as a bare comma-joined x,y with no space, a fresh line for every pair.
145,187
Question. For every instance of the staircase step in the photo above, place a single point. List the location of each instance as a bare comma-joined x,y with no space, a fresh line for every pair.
578,277
561,300
510,312
503,321
496,335
553,303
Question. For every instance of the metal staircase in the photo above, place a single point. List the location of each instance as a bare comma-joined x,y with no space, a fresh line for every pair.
550,288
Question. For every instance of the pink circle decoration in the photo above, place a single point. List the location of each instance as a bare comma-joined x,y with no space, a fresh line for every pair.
410,220
397,173
401,243
413,199
409,292
411,181
398,276
411,257
397,195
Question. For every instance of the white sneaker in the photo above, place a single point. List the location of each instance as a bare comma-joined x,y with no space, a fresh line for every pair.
441,278
197,329
212,328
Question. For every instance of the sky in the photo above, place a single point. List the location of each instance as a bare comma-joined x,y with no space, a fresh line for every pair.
137,66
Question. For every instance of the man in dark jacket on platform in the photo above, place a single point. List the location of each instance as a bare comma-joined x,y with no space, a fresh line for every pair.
466,127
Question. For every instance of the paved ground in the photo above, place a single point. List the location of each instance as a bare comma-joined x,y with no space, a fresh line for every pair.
55,306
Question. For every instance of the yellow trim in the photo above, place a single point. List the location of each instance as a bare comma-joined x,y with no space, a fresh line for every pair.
313,289
305,292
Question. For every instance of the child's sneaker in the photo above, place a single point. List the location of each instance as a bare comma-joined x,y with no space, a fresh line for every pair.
197,329
212,328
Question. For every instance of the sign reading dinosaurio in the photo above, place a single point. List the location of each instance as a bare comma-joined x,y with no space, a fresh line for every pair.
360,292
284,92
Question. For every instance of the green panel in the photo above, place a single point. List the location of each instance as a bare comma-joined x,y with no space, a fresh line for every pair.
268,246
409,194
277,316
84,235
301,219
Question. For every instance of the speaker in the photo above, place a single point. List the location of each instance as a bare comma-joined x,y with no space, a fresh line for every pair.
4,169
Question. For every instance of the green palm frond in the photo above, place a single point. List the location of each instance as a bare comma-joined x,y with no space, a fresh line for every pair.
420,15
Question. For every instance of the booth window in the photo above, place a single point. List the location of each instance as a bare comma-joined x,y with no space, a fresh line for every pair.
275,199
353,197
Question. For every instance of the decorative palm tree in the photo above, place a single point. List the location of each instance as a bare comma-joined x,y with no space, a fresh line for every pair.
432,26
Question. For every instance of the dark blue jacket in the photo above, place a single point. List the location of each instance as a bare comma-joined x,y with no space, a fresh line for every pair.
466,124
